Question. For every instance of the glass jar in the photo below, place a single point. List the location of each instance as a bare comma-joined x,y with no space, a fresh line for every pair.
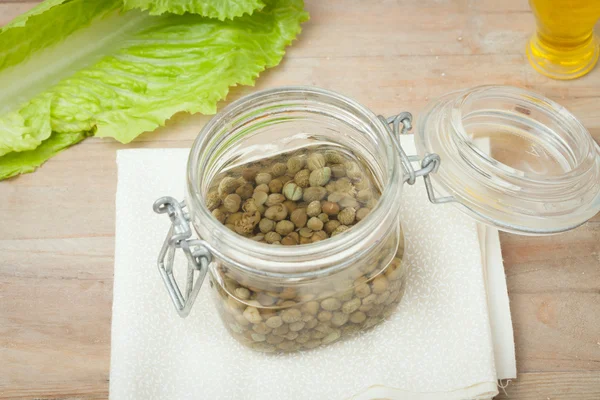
541,176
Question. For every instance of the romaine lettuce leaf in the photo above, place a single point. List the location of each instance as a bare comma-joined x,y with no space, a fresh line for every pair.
26,128
185,63
220,9
153,67
27,68
27,161
47,24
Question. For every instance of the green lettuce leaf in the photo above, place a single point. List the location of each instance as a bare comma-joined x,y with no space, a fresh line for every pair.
47,24
27,161
220,9
25,111
26,128
184,63
135,72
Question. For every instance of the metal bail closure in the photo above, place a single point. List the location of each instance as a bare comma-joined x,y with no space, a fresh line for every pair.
401,124
197,254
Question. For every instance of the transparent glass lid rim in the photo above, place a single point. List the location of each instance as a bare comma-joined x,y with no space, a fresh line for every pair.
440,131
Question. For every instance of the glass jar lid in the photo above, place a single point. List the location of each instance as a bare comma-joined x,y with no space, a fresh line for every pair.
512,159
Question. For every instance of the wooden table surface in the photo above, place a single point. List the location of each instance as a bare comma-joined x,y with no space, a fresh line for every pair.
57,232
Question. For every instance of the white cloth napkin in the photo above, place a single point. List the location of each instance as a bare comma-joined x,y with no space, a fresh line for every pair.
438,345
498,304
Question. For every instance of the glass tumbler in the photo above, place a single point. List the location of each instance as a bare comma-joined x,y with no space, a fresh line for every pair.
564,46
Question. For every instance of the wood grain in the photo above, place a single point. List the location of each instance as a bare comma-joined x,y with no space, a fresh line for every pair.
554,386
57,232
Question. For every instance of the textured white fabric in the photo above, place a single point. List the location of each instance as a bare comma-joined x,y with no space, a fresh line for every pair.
438,345
498,304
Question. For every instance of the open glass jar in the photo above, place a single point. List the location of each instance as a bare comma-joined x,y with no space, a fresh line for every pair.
541,176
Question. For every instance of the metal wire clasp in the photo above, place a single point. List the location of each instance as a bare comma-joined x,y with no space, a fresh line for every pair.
401,124
198,256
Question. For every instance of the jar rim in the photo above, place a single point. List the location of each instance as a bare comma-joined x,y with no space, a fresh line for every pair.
513,198
509,92
292,259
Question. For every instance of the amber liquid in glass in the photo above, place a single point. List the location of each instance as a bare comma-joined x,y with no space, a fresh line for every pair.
564,46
